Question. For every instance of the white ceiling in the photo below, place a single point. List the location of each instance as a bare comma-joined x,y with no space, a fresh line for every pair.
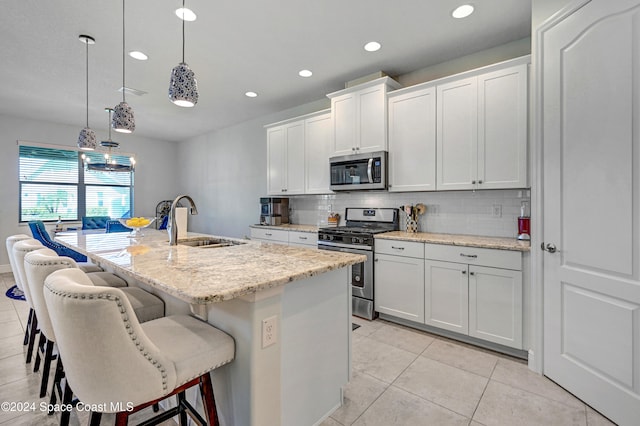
233,47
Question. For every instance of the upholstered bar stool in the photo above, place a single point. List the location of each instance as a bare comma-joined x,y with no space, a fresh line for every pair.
111,358
11,240
20,249
38,265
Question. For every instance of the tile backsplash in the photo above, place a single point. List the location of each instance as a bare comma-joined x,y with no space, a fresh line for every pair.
490,213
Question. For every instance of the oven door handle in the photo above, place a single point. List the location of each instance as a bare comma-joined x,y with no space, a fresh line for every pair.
327,245
369,170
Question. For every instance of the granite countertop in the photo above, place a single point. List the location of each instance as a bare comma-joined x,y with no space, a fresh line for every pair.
200,275
290,227
459,240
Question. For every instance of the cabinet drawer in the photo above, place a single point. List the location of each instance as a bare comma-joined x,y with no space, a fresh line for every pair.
505,259
400,248
275,235
306,238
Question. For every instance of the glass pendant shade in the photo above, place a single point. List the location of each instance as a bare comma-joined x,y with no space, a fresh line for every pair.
87,139
123,120
183,87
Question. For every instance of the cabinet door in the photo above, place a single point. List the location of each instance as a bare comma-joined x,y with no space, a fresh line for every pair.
399,287
317,150
412,141
457,147
276,160
446,296
343,109
295,158
371,134
495,305
502,128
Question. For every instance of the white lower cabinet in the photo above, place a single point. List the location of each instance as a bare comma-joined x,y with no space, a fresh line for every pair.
467,290
495,305
446,296
399,286
278,236
303,239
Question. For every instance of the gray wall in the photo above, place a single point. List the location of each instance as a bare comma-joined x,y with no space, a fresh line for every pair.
156,176
225,171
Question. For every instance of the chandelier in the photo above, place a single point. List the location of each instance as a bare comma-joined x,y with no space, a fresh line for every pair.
110,163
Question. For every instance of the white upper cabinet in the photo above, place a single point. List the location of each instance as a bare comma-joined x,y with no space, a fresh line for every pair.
482,131
502,128
457,134
360,117
317,143
285,159
412,140
298,155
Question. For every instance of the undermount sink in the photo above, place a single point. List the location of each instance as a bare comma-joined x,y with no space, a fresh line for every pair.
207,242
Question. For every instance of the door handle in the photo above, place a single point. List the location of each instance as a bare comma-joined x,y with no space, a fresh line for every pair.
369,174
551,248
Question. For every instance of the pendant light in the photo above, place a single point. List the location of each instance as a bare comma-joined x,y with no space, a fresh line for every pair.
123,120
87,137
183,87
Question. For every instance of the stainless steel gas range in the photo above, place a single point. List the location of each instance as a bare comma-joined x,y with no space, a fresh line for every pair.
358,237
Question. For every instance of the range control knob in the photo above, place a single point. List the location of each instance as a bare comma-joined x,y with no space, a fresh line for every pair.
354,240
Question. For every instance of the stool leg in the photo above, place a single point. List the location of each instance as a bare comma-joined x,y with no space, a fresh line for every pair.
56,388
26,331
41,344
209,402
66,399
183,414
122,418
32,336
94,419
48,355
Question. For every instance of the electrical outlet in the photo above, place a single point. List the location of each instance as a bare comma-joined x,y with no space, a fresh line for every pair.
433,209
497,210
269,331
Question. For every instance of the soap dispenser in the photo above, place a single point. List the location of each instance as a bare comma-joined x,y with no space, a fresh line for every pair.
524,222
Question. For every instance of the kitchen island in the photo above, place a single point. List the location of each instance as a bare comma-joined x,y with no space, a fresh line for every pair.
289,371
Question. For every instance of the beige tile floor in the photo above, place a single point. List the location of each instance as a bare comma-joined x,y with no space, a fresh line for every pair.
407,377
400,377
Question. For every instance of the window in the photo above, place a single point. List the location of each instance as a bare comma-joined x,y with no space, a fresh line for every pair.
53,184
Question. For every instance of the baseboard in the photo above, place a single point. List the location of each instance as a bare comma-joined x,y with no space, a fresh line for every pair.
5,268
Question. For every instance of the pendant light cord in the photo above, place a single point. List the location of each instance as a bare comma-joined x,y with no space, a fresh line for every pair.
183,31
86,41
123,55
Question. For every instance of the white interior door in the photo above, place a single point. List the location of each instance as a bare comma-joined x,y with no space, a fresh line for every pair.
590,80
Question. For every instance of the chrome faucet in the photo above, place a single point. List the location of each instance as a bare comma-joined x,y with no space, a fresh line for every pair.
172,227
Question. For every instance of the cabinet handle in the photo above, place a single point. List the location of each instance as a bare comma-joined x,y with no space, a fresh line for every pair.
480,182
472,256
464,272
375,260
397,248
302,238
473,182
472,273
353,148
268,234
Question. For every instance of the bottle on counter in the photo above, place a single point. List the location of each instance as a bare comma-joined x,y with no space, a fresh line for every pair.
59,224
524,222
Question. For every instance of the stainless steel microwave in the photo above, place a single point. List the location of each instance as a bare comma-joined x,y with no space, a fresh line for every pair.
359,171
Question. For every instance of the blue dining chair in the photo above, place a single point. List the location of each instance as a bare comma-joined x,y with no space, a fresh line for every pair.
40,233
116,226
94,222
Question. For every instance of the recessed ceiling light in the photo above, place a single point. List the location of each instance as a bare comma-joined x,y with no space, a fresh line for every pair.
462,11
372,46
305,73
135,54
251,94
186,14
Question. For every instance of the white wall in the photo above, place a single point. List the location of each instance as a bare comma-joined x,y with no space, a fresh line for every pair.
225,172
155,176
